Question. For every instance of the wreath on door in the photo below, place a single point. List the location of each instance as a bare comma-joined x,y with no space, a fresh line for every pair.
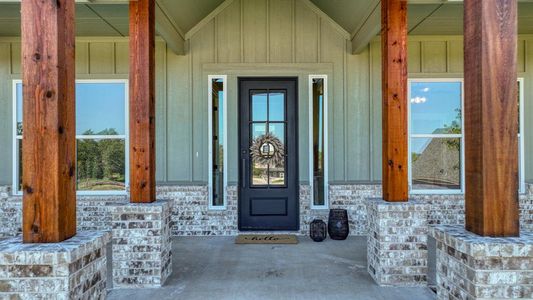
267,149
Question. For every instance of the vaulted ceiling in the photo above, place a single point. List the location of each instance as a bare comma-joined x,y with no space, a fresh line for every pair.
112,19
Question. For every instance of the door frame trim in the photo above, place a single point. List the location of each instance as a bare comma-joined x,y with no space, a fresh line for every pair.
295,79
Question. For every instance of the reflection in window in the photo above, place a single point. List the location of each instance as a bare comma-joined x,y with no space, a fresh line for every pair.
521,162
436,135
101,140
436,139
318,157
217,123
436,163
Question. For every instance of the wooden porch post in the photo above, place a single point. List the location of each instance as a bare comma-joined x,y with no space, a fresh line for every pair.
394,93
491,117
49,142
142,101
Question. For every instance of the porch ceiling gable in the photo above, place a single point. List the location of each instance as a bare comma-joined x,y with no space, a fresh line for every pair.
227,3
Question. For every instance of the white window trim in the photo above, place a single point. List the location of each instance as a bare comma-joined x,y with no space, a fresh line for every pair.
125,137
326,144
210,79
521,157
411,136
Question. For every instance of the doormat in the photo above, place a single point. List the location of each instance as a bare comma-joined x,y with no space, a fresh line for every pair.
266,239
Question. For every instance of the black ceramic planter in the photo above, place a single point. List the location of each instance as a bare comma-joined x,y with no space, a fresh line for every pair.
318,230
338,227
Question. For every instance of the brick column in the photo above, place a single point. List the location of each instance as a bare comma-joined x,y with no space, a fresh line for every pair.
470,266
397,242
73,269
142,255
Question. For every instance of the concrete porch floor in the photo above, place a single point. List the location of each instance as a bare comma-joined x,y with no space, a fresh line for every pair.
216,268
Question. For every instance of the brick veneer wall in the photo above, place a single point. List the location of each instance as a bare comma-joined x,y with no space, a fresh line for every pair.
191,216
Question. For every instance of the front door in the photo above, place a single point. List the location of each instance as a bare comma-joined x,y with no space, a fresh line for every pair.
268,165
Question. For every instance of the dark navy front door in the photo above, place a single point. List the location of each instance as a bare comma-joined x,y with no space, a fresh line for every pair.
268,164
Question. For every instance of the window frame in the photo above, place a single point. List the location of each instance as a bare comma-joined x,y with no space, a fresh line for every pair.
521,144
411,136
326,143
210,79
125,137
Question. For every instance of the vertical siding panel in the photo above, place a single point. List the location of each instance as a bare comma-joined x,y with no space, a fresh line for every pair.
521,62
303,127
122,64
255,31
306,36
280,28
455,56
180,120
233,130
413,58
229,34
101,58
434,57
376,110
161,111
332,50
528,111
358,118
15,58
82,58
203,49
6,121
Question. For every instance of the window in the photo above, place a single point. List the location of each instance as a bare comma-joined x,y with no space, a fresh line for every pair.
318,141
436,143
217,141
101,136
521,157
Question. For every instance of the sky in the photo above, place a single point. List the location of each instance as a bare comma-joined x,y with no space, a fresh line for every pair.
433,105
99,106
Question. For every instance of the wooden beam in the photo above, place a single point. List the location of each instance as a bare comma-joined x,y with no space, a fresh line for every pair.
368,29
49,137
142,101
394,93
169,30
491,117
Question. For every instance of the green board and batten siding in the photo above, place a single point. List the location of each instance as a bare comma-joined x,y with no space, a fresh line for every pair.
96,58
262,37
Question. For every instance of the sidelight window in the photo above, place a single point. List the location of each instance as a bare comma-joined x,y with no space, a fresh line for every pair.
101,136
217,141
318,150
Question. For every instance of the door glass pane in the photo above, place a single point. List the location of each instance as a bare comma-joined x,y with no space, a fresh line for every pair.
259,168
436,107
259,106
276,106
318,142
276,168
258,129
259,172
436,163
